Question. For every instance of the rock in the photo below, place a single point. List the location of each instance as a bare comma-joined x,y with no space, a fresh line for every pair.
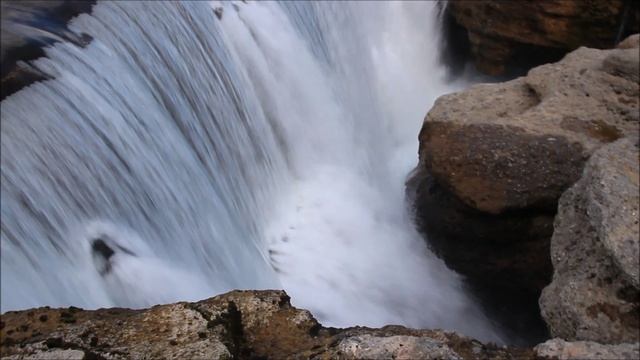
623,64
47,23
239,324
586,350
505,33
397,347
520,144
218,11
595,292
504,258
53,355
495,158
631,42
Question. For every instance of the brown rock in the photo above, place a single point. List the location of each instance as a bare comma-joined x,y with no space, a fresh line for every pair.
239,324
505,258
502,33
496,168
595,293
494,160
520,144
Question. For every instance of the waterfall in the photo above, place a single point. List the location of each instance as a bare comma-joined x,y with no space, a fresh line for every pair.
210,146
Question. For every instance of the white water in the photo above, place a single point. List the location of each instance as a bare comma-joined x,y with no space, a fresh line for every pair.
267,149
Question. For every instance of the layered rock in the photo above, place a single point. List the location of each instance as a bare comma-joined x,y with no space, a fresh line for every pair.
239,324
595,293
494,160
504,33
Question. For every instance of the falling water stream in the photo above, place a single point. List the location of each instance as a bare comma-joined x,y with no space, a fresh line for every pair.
263,145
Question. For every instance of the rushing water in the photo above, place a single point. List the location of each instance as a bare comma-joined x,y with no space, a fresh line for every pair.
263,148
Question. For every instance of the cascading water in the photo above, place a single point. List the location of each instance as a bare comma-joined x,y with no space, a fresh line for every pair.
264,145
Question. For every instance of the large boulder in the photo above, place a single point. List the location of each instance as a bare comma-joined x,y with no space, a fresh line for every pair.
520,144
504,33
239,324
495,159
595,293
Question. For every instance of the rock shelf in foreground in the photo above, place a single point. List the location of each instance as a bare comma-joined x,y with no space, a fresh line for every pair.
238,324
254,324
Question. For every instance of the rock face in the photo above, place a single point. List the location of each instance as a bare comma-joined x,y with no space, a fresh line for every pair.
239,324
595,293
21,44
520,144
502,33
586,350
495,159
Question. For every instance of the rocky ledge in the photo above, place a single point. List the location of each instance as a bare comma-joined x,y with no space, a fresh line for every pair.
239,324
494,161
528,33
249,325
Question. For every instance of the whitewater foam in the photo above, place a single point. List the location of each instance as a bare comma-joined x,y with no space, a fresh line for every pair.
264,149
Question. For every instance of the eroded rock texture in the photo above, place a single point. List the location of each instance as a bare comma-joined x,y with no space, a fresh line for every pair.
595,293
239,324
504,34
495,159
27,26
586,350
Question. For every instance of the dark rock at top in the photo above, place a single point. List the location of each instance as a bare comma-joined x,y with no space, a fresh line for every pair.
505,35
23,24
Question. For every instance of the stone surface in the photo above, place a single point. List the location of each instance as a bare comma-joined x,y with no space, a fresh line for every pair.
595,293
520,144
586,350
47,23
504,33
504,258
398,347
495,158
630,42
239,324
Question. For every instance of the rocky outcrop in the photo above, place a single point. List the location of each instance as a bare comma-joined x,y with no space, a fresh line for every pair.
29,26
631,42
507,33
494,160
595,293
239,324
586,350
520,144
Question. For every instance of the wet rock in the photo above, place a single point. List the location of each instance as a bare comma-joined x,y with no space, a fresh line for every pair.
103,249
586,350
505,258
218,11
507,34
239,324
29,26
595,293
